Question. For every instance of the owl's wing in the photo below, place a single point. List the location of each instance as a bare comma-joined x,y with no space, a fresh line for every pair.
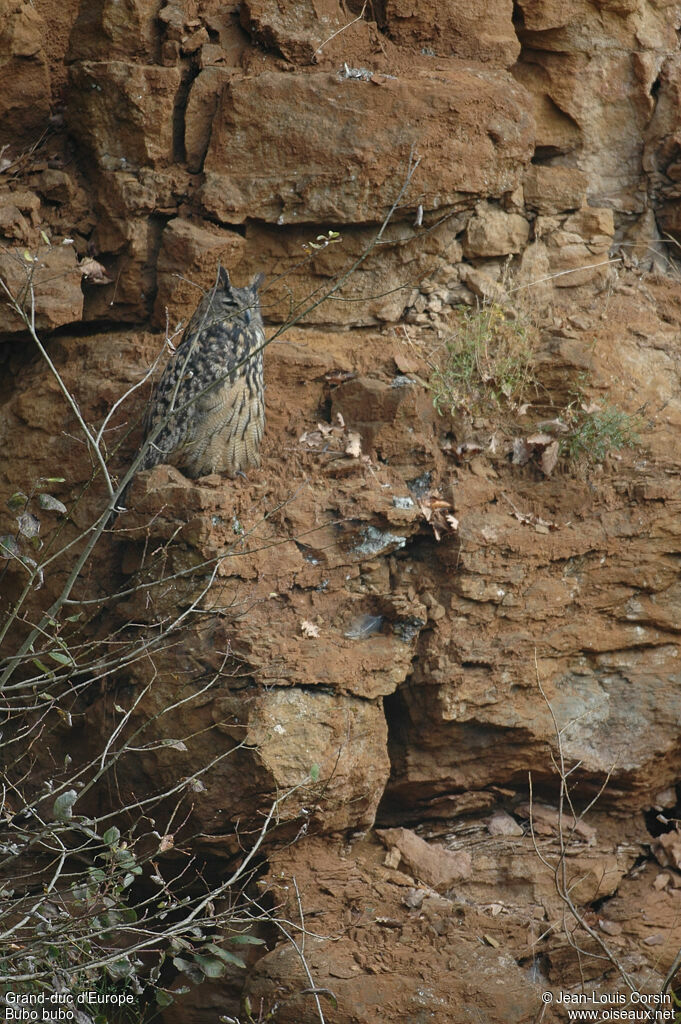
168,408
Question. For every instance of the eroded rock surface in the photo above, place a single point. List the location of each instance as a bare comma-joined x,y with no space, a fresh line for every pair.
394,619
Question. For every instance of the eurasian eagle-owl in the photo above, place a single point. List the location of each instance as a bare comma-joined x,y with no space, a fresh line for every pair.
207,413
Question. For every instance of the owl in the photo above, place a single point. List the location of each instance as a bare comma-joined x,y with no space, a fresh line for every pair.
207,414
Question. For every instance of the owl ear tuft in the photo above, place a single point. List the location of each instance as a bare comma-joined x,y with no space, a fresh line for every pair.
223,278
257,281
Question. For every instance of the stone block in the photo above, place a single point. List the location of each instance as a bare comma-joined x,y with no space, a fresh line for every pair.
322,148
122,113
492,232
187,262
551,190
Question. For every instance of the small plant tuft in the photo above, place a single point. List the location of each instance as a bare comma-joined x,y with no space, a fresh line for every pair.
487,363
597,430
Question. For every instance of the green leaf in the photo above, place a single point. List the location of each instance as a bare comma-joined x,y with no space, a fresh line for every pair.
119,969
43,667
211,966
29,525
314,772
62,809
163,998
181,964
246,940
193,972
61,658
52,504
9,547
111,836
224,954
18,500
52,480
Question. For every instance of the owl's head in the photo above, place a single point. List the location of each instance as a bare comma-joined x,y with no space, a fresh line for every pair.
235,304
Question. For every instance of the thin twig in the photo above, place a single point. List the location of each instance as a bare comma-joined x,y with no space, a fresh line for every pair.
341,29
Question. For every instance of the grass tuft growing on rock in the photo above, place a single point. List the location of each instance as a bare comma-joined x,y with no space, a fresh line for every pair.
486,363
597,430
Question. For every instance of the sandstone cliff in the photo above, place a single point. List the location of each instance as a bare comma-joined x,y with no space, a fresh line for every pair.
394,597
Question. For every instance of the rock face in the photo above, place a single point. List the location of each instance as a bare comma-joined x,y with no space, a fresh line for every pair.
371,126
404,612
24,78
482,33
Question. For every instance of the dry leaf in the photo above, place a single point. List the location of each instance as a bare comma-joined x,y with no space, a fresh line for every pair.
354,445
452,520
339,376
341,421
549,458
667,850
94,272
521,451
467,447
414,899
308,629
557,426
540,439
